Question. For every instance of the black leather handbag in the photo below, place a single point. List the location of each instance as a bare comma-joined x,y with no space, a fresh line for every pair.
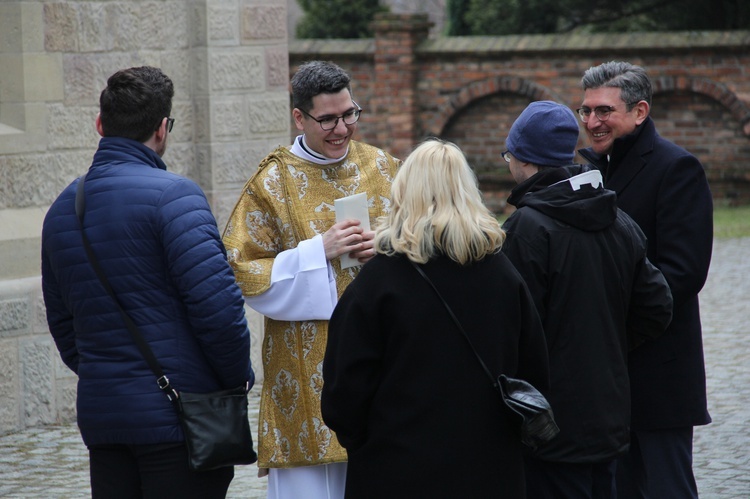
216,428
216,425
537,422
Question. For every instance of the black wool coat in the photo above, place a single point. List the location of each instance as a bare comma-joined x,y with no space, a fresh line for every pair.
404,392
664,189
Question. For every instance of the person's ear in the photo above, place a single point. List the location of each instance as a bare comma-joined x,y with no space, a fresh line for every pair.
98,124
298,117
641,111
160,135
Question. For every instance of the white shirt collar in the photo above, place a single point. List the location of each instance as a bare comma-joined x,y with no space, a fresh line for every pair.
301,149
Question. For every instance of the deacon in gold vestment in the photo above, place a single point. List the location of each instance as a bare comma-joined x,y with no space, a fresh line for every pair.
284,244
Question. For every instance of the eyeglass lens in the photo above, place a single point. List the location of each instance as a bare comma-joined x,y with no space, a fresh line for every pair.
601,112
506,156
349,118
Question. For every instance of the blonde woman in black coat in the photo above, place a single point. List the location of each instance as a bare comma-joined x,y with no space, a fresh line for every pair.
402,388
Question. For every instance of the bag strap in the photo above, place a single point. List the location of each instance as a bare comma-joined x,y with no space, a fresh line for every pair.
148,354
458,324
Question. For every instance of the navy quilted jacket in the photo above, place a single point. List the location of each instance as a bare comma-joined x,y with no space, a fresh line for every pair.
158,243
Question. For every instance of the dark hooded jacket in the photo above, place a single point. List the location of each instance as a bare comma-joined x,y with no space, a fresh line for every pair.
598,296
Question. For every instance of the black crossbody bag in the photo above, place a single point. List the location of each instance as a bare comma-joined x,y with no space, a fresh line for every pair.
537,422
216,425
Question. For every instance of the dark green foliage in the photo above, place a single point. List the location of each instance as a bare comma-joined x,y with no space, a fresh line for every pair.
506,17
337,18
456,24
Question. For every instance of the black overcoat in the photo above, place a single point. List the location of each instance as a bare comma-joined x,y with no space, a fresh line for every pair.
404,392
664,189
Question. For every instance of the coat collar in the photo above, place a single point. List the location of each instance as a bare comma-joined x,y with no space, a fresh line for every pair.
123,151
628,157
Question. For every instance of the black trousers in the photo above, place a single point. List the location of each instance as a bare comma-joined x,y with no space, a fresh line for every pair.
659,465
553,480
152,472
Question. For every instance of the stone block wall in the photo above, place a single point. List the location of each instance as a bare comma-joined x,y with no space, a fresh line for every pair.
36,388
228,60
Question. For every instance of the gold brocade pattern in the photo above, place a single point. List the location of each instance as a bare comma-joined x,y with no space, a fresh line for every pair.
290,200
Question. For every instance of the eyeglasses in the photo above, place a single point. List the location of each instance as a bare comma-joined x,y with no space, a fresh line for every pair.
328,123
506,156
170,124
602,113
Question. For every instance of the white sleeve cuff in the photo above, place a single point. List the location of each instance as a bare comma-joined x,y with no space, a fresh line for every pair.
302,286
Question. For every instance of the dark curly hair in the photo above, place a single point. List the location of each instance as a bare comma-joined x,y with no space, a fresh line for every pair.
135,102
317,77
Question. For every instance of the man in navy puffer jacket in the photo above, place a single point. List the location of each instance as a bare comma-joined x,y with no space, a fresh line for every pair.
155,236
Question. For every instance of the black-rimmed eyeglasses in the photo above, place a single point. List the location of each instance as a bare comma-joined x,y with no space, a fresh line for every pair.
602,113
170,124
328,123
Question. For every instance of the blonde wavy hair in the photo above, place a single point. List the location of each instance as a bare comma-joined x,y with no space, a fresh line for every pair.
437,209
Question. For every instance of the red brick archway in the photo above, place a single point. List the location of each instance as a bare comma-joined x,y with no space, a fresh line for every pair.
480,89
715,90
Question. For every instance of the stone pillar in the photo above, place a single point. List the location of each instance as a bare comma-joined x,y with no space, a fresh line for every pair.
240,105
396,39
240,102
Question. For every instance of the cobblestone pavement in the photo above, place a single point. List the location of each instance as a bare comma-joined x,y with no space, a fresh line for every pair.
721,450
52,462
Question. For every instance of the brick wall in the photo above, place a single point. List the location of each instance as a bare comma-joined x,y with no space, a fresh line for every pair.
470,89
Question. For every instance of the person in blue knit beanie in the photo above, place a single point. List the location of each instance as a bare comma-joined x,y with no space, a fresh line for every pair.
596,292
545,134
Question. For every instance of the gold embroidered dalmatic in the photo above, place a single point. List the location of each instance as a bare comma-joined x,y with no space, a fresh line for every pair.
287,201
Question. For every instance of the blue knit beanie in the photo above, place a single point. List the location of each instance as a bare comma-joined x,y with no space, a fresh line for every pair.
545,134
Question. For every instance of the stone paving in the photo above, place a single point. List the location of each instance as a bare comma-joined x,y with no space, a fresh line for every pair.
51,462
721,450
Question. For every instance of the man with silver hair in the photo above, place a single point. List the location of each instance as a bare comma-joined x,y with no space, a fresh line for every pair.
664,189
